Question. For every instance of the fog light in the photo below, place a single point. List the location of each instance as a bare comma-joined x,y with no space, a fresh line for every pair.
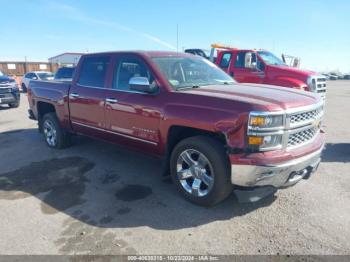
255,140
267,139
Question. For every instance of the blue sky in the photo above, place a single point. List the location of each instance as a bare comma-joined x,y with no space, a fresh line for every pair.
317,31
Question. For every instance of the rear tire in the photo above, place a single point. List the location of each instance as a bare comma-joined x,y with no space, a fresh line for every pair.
24,88
200,170
55,136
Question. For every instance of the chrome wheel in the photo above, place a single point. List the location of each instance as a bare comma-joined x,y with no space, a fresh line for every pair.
50,133
195,172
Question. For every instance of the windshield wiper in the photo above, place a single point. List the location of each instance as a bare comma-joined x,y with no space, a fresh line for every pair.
226,83
188,87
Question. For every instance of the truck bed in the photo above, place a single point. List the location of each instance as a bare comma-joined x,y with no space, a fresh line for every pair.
52,92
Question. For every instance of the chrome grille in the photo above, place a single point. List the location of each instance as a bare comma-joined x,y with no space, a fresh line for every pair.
302,137
300,118
321,86
5,90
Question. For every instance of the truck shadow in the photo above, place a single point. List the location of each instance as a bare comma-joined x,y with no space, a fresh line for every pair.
339,152
103,185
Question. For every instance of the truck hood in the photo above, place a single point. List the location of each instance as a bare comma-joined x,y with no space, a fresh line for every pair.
5,79
291,72
262,97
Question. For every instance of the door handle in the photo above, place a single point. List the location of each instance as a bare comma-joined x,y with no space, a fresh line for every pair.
74,95
111,100
259,74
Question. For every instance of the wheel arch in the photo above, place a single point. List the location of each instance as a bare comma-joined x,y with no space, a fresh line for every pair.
42,109
177,133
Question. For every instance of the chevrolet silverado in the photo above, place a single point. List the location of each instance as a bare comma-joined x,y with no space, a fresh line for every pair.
212,134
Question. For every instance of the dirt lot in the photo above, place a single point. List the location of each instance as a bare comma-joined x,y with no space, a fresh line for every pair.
96,198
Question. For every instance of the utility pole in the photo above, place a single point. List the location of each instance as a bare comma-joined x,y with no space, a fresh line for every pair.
177,37
25,69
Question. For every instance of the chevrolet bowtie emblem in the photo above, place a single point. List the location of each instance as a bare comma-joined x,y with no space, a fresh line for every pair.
317,123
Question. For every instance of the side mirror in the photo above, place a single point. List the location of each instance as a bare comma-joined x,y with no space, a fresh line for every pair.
250,60
296,62
254,66
141,84
35,78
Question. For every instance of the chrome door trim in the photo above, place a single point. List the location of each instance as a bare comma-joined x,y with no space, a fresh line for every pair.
115,133
73,95
111,100
114,89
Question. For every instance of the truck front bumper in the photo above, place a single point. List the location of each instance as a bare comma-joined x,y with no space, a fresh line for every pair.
10,97
277,175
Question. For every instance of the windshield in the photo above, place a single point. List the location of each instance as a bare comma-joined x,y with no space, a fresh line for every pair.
270,58
45,76
184,72
1,73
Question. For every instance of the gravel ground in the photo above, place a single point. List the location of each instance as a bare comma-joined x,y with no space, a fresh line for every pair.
97,198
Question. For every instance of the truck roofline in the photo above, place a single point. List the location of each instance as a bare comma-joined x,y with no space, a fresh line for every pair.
148,53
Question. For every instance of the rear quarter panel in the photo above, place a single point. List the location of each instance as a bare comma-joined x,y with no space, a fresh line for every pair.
54,93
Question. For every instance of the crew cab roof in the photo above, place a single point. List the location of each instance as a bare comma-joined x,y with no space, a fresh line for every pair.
142,53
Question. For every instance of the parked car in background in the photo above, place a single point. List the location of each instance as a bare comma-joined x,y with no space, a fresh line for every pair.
9,91
263,67
326,76
197,51
35,75
333,76
339,75
211,132
64,74
347,76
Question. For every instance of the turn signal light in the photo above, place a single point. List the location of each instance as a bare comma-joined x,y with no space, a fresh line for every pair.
255,140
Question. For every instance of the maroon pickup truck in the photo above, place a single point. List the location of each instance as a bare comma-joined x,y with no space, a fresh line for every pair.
213,134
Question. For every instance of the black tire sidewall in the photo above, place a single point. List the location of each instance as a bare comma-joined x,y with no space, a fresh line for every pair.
14,105
215,153
24,88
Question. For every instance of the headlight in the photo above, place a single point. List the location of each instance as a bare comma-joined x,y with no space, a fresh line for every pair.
13,85
265,130
311,83
258,121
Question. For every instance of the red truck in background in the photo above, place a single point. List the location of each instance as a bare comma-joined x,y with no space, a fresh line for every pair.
213,134
263,67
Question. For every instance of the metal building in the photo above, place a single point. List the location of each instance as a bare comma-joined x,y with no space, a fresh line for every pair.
66,59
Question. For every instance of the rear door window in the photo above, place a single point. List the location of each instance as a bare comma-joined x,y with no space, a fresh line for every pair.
239,63
93,71
225,60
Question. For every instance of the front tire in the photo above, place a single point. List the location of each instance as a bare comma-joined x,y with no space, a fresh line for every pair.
14,105
55,136
200,170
